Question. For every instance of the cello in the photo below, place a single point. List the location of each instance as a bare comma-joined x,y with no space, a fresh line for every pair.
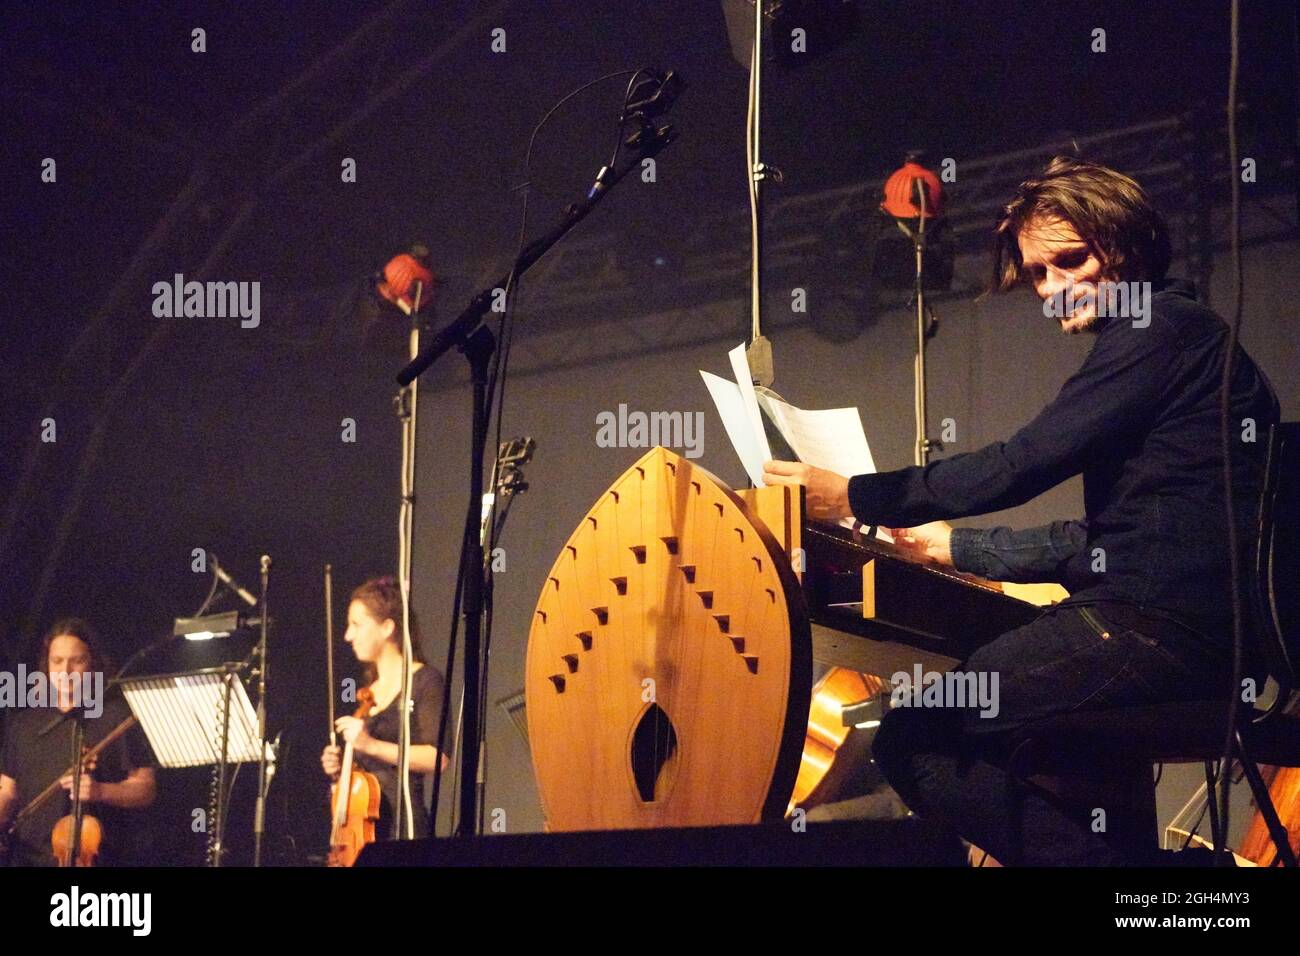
354,797
830,748
1284,790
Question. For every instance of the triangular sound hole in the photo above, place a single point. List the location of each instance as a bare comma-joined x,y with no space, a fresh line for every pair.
654,745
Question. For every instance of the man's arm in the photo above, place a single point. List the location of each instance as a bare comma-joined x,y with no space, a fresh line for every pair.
137,791
1109,402
1028,556
8,800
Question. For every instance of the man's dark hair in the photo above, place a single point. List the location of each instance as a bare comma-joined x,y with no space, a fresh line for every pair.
80,629
1109,210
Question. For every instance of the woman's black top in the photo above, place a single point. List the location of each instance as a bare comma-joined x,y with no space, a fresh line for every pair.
427,688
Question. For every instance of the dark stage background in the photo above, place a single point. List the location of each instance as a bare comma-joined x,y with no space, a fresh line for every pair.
175,434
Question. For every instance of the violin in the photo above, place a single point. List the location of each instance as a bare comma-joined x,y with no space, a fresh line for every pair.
354,799
76,837
91,835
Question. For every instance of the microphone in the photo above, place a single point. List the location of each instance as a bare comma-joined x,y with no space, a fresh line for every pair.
231,583
599,184
656,95
649,98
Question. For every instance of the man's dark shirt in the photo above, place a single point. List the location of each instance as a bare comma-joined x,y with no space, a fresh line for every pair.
1140,422
34,757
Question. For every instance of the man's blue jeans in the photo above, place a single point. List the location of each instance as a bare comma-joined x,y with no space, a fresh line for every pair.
949,763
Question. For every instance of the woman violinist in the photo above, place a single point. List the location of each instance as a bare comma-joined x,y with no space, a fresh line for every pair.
375,633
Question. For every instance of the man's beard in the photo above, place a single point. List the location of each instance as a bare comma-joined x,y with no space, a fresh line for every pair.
1077,326
1075,301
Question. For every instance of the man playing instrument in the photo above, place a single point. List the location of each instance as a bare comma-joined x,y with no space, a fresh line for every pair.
1149,619
37,751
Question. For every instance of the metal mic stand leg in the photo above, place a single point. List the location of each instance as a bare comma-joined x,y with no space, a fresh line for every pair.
78,742
925,328
478,350
259,816
219,823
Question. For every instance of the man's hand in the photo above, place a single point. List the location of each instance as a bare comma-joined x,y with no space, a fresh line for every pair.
92,791
933,540
8,804
828,493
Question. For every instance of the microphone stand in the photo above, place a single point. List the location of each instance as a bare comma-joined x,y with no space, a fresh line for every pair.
405,402
216,847
475,340
78,741
259,817
759,353
925,330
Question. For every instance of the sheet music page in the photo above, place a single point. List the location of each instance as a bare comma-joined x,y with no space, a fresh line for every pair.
735,419
745,381
831,438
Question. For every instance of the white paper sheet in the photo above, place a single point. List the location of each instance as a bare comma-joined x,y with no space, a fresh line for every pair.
735,420
745,381
830,438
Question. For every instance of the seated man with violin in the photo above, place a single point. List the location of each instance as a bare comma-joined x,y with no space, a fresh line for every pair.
375,633
37,758
1150,618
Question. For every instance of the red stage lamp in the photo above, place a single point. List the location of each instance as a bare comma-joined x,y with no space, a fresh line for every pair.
405,276
901,194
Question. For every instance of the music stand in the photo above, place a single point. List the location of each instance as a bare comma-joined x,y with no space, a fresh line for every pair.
198,717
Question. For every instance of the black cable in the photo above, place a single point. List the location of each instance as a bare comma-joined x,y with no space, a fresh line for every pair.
1225,401
504,324
446,698
469,538
496,390
623,118
498,526
1200,817
1216,821
212,591
505,327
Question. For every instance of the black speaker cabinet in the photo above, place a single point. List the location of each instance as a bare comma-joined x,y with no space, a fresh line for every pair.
907,842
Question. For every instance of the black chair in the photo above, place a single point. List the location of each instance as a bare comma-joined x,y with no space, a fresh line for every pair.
1194,731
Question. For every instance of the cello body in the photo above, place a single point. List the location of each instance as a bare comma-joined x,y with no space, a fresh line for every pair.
829,742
